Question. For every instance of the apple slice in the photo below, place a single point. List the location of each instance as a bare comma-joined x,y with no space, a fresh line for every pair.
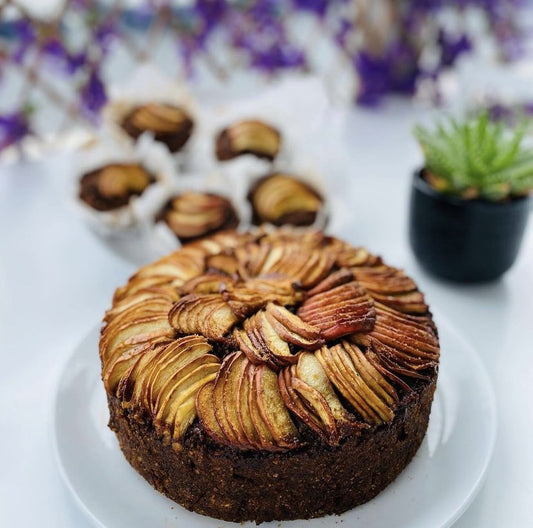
222,262
232,383
343,310
206,413
207,314
292,328
310,371
368,392
272,408
218,399
209,283
295,403
243,407
411,302
266,440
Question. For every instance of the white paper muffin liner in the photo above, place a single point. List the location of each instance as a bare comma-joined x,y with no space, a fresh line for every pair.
147,84
126,230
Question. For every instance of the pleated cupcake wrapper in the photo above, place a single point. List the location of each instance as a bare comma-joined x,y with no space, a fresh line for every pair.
147,85
132,218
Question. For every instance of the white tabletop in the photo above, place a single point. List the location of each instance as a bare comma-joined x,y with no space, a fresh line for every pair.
56,280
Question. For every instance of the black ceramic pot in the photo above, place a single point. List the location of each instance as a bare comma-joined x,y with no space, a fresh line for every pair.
464,240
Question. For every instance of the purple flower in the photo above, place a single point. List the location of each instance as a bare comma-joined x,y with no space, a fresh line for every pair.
318,7
211,12
374,78
13,128
394,71
93,96
452,47
24,33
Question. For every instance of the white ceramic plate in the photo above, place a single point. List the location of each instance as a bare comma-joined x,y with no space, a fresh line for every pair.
432,492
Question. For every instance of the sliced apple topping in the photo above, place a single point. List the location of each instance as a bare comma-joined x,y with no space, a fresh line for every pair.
384,280
266,335
402,343
125,337
359,382
292,328
206,314
412,302
348,256
172,270
163,365
244,408
248,137
339,311
166,380
316,403
249,296
161,294
224,262
208,283
284,199
308,267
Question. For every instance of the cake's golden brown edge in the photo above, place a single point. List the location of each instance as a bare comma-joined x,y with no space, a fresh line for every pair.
310,482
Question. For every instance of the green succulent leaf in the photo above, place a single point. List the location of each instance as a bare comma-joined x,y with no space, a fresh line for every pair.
479,154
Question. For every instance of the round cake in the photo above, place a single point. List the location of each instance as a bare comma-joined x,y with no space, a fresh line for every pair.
271,375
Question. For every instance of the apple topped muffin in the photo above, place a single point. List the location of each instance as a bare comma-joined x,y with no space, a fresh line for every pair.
269,375
112,186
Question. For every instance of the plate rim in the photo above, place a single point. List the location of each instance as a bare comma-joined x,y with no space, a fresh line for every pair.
482,375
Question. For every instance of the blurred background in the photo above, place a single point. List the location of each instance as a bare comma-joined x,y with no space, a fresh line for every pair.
60,59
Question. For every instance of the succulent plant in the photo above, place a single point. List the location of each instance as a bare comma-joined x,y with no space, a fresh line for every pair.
477,158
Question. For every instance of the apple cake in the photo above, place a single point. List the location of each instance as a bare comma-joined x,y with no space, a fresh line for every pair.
269,375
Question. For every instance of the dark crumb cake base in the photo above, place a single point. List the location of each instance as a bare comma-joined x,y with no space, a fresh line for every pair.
311,482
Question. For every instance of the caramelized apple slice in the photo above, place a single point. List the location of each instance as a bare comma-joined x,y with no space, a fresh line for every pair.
272,408
208,283
224,262
361,384
176,409
206,413
266,440
232,382
248,297
292,328
340,311
207,314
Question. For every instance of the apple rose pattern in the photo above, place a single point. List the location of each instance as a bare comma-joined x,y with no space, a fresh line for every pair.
266,339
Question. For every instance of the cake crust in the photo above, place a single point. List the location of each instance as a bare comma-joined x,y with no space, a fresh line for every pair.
311,482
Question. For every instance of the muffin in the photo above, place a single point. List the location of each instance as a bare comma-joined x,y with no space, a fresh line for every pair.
193,215
281,199
248,137
269,375
169,124
111,186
